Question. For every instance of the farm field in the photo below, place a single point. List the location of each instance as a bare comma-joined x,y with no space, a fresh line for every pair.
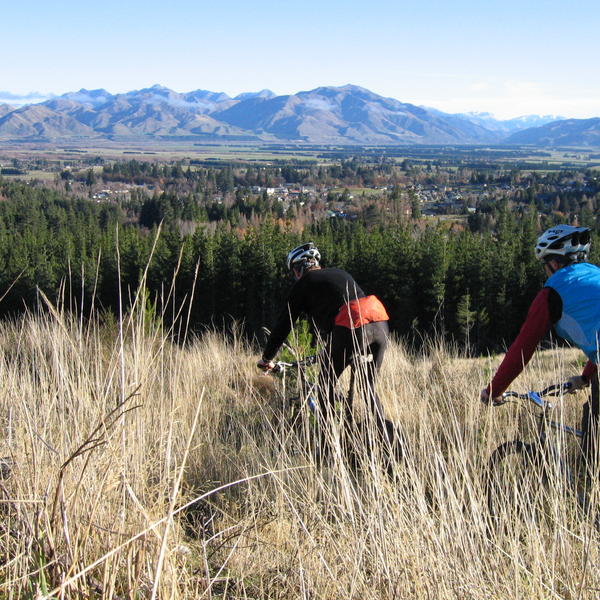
181,150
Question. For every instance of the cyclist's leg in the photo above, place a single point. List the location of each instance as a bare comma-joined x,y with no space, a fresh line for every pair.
334,358
376,336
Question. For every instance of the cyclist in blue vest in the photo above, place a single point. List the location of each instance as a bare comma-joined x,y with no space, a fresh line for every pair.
569,301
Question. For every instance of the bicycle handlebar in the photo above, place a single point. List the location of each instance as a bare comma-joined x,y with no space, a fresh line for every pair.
555,389
282,366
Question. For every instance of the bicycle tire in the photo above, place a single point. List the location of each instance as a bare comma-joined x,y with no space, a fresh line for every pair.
297,429
589,510
513,480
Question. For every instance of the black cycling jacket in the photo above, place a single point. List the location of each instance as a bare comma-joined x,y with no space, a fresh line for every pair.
319,294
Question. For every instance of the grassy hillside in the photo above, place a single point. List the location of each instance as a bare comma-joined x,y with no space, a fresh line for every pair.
141,469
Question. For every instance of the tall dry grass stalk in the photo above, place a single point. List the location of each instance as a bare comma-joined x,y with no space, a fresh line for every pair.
144,469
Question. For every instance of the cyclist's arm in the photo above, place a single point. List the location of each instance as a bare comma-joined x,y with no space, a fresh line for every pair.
535,327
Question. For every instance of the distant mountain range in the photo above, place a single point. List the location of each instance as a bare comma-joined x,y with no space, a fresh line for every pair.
347,115
567,132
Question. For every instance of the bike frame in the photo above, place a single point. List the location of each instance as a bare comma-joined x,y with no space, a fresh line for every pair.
546,408
311,387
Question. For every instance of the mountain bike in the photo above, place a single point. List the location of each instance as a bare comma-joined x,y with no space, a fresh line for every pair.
304,415
531,480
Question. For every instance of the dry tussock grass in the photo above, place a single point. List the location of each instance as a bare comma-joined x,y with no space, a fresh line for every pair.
144,469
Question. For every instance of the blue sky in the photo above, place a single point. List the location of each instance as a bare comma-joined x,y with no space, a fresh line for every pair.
506,57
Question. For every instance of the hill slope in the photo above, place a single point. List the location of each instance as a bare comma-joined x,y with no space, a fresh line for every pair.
568,132
350,114
37,121
253,498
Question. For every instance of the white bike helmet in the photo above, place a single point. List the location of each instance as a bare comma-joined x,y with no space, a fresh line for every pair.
564,240
303,256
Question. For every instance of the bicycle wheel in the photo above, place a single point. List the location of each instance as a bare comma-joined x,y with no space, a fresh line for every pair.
586,499
301,433
515,483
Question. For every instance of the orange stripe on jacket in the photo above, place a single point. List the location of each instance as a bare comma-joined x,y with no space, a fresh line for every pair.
361,311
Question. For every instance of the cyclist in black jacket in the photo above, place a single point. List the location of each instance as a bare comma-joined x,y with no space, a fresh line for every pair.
350,324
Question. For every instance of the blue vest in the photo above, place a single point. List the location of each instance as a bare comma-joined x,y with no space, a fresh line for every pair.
578,286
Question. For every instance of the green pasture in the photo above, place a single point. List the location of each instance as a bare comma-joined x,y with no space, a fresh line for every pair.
163,152
31,175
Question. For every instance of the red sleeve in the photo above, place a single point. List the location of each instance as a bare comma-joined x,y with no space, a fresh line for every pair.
535,327
589,371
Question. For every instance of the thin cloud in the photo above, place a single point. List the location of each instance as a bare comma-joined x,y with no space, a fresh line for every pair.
506,99
22,99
